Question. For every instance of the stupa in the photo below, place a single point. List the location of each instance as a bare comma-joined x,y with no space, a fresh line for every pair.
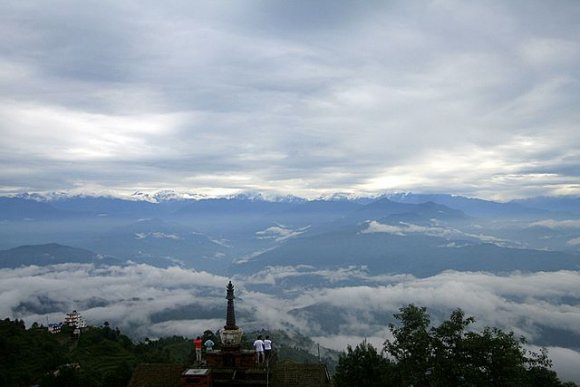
231,334
231,353
231,365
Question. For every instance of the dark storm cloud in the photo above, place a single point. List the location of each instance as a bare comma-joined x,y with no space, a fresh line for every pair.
297,97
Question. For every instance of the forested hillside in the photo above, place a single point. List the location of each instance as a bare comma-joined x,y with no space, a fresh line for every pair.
451,353
103,356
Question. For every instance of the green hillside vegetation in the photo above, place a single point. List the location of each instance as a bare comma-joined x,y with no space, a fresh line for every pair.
419,354
451,354
26,355
103,356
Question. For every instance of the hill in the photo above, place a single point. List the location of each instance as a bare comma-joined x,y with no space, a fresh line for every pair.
26,209
161,243
50,254
408,248
103,356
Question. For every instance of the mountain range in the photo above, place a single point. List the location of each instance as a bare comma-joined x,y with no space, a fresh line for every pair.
421,234
51,254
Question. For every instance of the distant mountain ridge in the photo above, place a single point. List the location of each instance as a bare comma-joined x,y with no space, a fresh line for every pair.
50,254
540,202
15,208
460,202
565,203
471,206
386,207
162,244
421,233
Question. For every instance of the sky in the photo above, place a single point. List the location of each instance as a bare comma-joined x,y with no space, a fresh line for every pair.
290,97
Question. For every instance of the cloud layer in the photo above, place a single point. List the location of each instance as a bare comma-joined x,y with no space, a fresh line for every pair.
298,97
153,302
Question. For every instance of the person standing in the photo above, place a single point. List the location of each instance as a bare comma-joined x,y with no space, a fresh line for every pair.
209,345
267,349
259,347
198,343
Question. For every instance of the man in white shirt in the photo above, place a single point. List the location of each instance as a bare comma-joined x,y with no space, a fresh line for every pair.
209,345
259,347
267,348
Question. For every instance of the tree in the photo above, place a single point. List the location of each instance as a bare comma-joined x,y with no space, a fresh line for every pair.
451,359
411,345
25,355
450,354
362,366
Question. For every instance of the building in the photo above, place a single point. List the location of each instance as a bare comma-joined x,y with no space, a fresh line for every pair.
75,320
156,375
55,327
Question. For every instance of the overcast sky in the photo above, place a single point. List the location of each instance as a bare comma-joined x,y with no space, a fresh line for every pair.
291,97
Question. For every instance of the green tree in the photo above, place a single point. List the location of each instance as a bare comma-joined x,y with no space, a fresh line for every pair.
411,345
362,366
539,372
26,355
450,354
495,357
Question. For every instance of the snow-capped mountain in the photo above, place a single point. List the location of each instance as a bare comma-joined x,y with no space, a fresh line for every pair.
166,195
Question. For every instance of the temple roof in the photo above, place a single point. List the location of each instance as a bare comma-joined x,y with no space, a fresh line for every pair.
156,375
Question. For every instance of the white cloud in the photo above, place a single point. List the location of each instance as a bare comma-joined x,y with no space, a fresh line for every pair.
187,328
566,363
218,98
156,235
124,295
135,298
557,224
280,233
546,52
374,227
403,229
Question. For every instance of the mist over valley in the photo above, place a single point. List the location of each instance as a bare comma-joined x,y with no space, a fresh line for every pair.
333,269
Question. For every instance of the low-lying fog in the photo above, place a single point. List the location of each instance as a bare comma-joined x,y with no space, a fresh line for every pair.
335,308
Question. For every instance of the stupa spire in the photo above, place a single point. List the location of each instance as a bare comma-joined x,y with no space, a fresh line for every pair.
231,335
231,313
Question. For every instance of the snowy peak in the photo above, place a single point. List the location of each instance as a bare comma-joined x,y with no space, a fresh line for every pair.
43,196
165,196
